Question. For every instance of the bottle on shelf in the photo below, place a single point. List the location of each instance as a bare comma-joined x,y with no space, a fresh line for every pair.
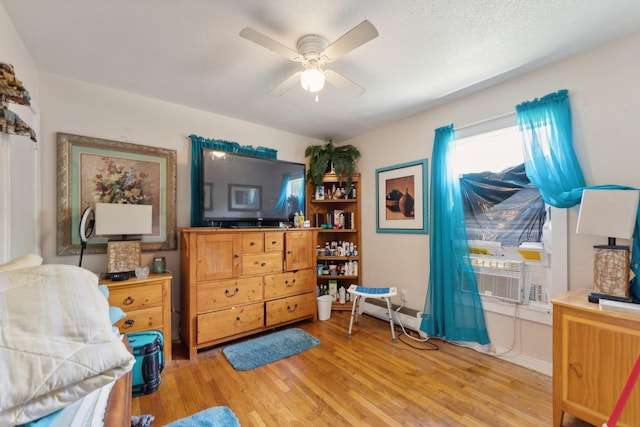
342,295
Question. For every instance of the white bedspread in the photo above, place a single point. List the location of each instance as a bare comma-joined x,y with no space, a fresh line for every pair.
56,342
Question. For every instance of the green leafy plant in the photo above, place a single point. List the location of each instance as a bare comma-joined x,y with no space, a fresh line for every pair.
343,159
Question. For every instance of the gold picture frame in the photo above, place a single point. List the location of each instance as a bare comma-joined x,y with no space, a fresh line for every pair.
91,169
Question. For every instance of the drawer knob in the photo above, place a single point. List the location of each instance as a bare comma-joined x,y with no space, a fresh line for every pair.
236,255
263,264
273,242
289,251
292,309
288,285
229,294
129,300
238,318
128,323
252,243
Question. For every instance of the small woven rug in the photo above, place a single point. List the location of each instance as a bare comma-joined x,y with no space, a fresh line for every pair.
218,416
256,352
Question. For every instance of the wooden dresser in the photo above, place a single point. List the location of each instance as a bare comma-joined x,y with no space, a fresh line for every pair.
237,282
593,354
147,303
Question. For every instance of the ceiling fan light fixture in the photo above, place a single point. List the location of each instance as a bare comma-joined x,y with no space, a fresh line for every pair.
312,79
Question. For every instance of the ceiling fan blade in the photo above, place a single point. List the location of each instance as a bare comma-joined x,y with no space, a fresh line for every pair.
356,37
269,43
286,85
343,83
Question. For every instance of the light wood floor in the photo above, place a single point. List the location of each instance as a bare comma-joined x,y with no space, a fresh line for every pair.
362,381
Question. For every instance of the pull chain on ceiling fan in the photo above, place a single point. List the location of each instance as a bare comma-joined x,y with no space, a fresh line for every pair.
314,52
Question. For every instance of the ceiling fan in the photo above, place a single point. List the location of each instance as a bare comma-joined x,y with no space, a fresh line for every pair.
314,52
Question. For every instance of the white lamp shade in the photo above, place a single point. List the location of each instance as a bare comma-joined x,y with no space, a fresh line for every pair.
312,79
123,219
608,213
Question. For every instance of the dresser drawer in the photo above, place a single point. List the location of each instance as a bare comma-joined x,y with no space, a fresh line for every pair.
274,241
227,293
141,320
232,321
252,243
290,308
134,297
290,283
263,263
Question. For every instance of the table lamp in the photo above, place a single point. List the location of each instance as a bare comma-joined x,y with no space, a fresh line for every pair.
127,222
611,214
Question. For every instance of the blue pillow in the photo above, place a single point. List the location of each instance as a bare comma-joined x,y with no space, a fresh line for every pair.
115,314
105,290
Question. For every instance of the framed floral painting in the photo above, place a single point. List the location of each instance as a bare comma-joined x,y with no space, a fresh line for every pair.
93,170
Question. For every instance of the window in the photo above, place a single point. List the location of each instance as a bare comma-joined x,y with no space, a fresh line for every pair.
502,207
491,151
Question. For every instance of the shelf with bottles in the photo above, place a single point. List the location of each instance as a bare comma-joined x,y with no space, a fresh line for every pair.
338,230
338,258
343,277
334,190
338,290
334,270
336,214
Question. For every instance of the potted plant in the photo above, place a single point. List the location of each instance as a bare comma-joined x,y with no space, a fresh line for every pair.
323,158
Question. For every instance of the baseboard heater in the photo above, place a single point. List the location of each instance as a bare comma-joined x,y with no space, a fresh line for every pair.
409,317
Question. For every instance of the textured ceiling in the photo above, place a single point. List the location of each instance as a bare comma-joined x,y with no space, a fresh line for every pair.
189,52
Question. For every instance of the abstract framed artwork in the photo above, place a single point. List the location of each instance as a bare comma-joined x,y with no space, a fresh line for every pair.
93,170
401,198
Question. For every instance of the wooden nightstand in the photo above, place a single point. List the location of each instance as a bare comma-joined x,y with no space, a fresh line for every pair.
147,303
593,354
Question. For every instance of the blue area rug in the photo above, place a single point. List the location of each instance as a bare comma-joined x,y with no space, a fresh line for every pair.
219,416
250,354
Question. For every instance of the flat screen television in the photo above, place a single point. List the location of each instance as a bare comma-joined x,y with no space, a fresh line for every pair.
246,191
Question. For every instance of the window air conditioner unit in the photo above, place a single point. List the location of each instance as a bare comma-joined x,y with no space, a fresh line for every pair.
499,278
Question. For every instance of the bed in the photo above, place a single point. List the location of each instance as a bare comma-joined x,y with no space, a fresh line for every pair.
61,360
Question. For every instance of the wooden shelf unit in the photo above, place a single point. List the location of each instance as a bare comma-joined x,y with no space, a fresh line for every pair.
323,207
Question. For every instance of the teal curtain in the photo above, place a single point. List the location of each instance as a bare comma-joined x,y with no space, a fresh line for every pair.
550,161
453,309
197,143
552,165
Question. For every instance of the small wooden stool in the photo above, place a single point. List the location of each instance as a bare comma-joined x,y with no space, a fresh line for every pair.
383,293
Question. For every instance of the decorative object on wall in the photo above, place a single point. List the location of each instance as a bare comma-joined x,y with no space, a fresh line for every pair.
401,198
12,90
93,170
341,160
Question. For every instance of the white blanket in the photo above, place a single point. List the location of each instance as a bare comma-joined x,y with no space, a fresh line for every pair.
56,342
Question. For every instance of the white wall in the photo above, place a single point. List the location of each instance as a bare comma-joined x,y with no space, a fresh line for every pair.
605,101
19,170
